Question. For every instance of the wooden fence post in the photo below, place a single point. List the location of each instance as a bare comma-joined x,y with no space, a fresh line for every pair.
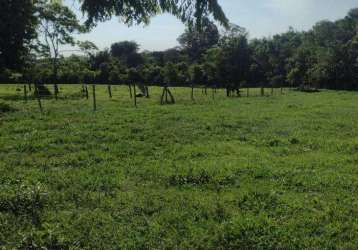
162,97
86,91
94,97
130,91
192,92
147,92
109,91
37,91
25,92
135,95
167,93
55,88
172,100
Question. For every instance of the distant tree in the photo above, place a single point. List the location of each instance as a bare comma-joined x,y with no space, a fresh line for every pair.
196,40
211,66
123,49
97,59
87,47
57,25
234,59
127,53
154,75
72,69
197,77
183,73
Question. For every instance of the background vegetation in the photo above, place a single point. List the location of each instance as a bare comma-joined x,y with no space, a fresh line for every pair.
324,57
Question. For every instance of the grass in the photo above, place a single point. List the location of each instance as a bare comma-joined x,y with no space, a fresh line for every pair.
274,172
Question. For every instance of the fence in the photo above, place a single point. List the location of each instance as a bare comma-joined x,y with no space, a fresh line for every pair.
58,92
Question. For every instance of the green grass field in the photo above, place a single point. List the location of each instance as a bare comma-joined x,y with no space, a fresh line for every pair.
276,172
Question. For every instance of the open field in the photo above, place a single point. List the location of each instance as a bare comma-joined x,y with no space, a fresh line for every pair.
276,172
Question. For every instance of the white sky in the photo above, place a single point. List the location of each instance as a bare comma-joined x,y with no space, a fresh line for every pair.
259,17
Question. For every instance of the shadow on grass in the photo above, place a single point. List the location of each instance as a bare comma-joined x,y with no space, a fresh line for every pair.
5,108
74,96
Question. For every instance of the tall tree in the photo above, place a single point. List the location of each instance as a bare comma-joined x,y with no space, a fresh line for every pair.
127,53
58,23
17,30
234,58
196,40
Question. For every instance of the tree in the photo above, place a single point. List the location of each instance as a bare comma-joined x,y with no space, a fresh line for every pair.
17,31
196,40
57,24
234,59
123,49
127,53
211,65
197,74
97,59
87,47
132,11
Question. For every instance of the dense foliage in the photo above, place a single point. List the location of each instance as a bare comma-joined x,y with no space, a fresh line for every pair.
133,11
17,30
324,57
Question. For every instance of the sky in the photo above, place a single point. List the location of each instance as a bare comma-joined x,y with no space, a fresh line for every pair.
261,18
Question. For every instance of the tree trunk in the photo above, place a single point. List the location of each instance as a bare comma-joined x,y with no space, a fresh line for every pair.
94,97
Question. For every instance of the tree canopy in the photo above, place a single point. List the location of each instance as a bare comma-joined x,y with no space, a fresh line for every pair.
135,12
17,30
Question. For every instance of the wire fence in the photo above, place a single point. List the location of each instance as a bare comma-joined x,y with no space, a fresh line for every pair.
94,96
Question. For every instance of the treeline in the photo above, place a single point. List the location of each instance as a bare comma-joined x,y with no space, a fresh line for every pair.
324,57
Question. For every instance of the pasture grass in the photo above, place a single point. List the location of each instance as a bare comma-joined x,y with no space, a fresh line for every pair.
278,172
